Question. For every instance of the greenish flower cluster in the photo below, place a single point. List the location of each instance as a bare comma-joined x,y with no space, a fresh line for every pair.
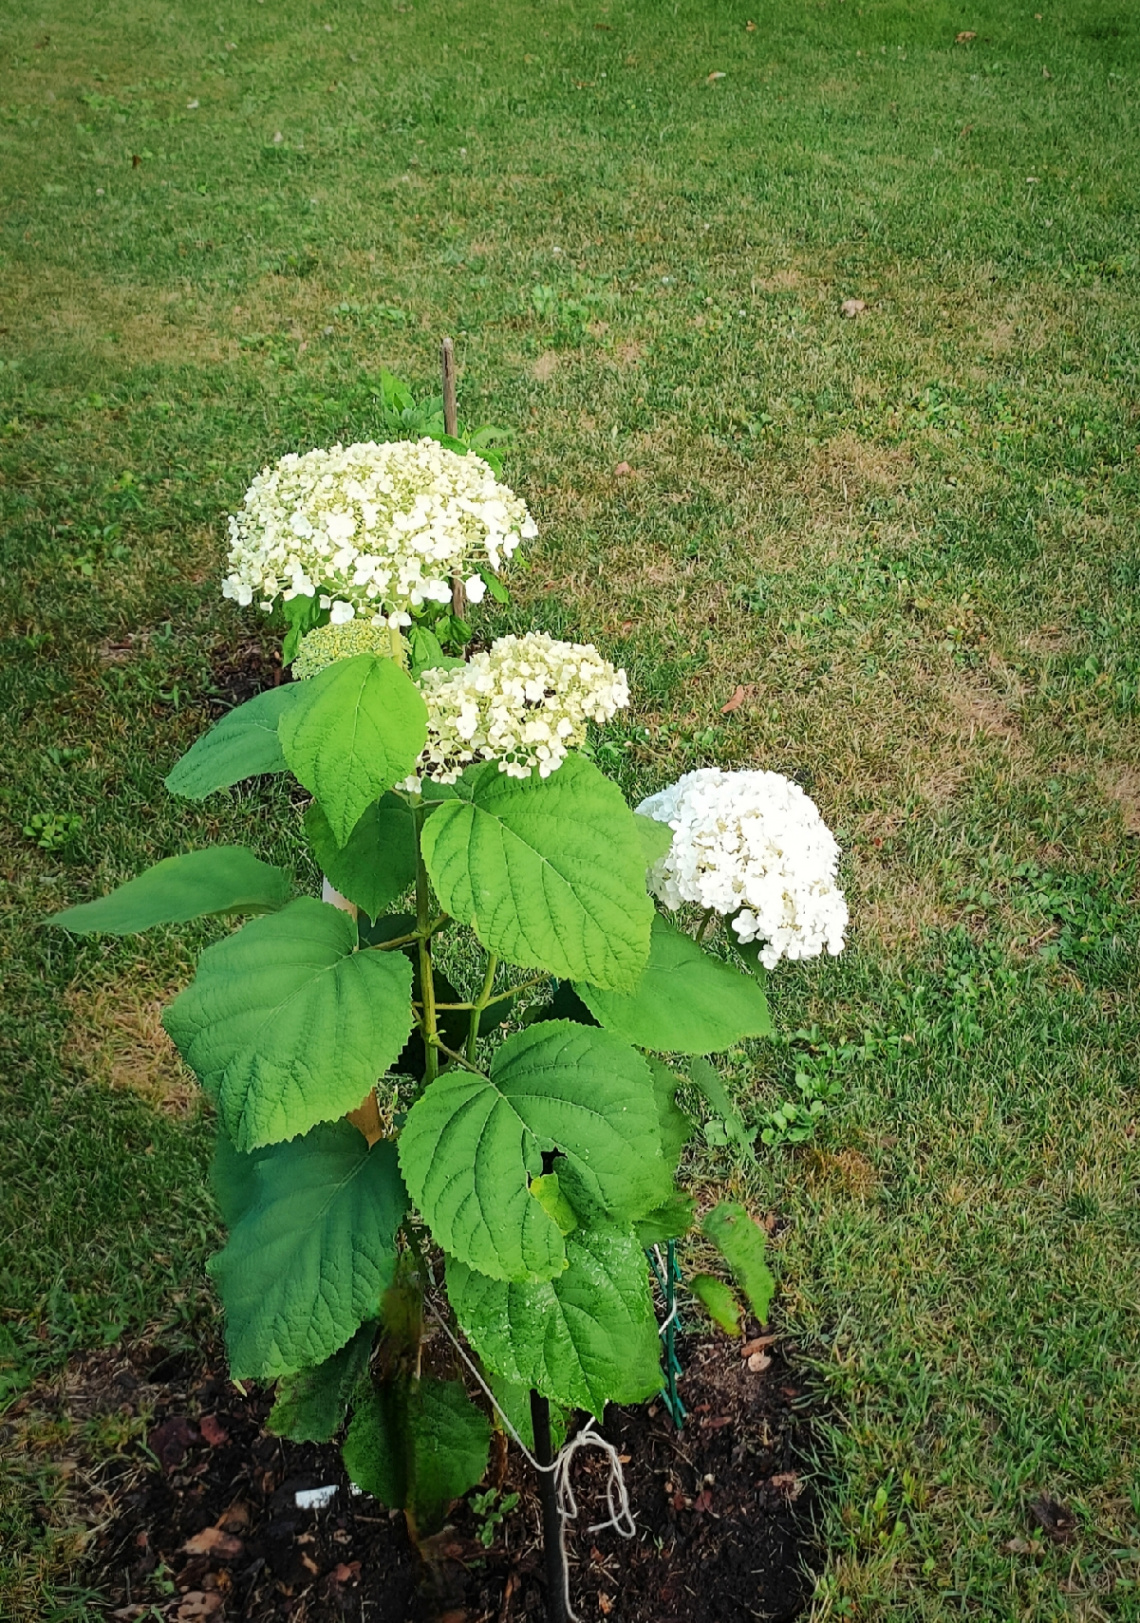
320,648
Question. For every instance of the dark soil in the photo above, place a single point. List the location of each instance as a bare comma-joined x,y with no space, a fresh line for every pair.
203,1523
242,670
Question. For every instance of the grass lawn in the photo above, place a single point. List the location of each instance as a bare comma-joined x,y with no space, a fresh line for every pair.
904,541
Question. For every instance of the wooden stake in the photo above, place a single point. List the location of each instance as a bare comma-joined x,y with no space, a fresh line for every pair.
451,426
557,1584
450,405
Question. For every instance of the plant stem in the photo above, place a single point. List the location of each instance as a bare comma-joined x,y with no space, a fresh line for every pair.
479,1005
557,1577
423,932
499,997
702,928
458,1059
412,935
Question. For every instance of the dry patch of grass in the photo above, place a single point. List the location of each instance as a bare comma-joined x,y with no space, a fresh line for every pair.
59,306
117,1039
853,468
1122,785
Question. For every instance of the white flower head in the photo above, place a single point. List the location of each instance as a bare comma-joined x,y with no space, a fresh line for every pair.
524,702
753,847
374,530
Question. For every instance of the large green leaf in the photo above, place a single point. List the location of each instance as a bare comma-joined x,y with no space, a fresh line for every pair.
685,1003
585,1339
312,1404
221,879
549,872
471,1145
378,861
243,744
742,1244
718,1301
675,1126
656,838
357,729
417,1446
285,1025
312,1251
707,1081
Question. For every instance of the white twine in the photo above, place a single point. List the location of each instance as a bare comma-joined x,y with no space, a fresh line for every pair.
620,1516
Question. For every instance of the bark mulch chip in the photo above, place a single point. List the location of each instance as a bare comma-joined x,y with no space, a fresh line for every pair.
204,1522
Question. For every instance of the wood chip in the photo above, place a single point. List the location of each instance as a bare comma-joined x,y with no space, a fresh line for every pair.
212,1541
757,1344
198,1604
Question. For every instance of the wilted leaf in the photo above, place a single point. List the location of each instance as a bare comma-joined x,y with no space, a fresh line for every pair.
212,1541
740,694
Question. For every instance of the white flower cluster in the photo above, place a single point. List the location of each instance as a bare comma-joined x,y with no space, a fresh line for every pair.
753,845
373,529
524,703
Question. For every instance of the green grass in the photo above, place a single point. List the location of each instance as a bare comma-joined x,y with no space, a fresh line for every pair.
910,536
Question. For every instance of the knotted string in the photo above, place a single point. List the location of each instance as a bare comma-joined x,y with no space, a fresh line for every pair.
617,1498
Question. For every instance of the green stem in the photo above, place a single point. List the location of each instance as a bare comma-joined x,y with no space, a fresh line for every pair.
458,1059
413,935
499,997
479,1005
423,933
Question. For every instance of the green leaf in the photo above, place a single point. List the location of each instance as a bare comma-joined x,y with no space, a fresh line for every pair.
285,1025
244,744
376,1445
706,1080
514,1400
302,614
427,653
221,879
718,1301
418,1446
675,1127
672,1220
357,729
656,838
377,863
471,1144
450,1439
311,1253
685,1003
585,1339
549,872
312,1404
742,1244
548,1192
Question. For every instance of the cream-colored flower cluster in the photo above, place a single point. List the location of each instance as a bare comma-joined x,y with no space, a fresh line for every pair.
524,703
753,847
375,530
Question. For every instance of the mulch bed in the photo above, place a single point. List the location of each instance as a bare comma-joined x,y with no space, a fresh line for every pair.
208,1527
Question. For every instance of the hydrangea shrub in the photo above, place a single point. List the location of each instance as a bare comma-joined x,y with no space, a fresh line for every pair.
505,1152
